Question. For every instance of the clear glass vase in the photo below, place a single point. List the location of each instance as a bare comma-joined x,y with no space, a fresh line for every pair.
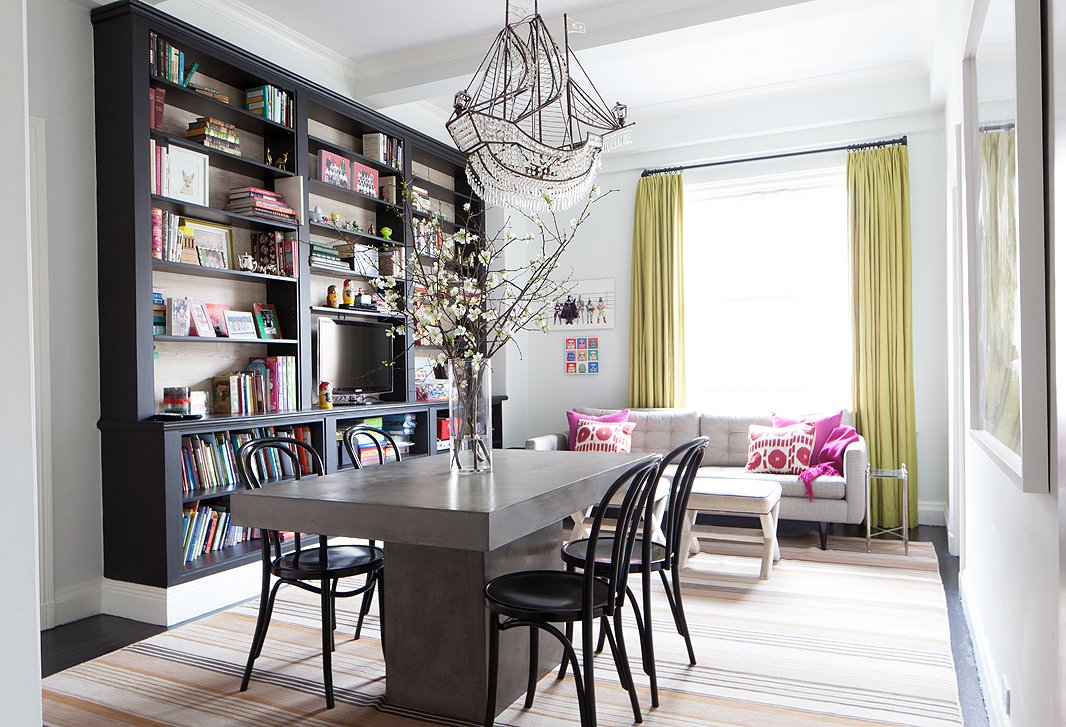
470,411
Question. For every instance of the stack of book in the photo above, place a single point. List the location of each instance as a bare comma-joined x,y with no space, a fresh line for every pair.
267,384
209,529
260,203
384,149
275,253
214,134
400,426
159,159
159,312
166,235
167,62
324,256
208,91
269,102
209,461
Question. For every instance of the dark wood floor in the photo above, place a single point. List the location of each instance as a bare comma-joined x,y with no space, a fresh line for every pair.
71,644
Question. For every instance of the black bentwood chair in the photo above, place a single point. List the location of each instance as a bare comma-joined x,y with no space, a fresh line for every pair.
325,564
540,598
652,557
382,441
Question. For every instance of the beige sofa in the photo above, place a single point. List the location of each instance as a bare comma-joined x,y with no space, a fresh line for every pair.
836,499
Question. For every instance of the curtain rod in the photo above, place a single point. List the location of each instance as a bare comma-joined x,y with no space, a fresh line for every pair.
848,147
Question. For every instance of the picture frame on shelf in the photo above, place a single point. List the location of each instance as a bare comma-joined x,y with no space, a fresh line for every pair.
240,324
210,257
178,321
200,322
217,313
334,169
266,321
209,236
365,180
188,176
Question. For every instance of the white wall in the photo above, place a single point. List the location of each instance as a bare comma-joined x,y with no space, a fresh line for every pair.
603,247
20,668
61,93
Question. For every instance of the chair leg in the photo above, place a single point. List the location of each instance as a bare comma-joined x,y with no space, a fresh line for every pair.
647,647
364,609
327,641
676,577
589,670
569,637
494,668
336,582
269,612
260,624
621,661
600,640
534,657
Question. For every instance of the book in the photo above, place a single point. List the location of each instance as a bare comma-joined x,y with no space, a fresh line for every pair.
178,317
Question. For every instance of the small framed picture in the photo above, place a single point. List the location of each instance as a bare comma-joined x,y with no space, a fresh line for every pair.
335,169
201,322
266,320
365,180
188,176
211,257
207,236
217,313
240,324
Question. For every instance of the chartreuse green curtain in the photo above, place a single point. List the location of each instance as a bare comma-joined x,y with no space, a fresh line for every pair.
657,315
880,236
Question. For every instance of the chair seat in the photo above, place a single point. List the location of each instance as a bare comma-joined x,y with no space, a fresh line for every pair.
341,561
574,554
544,595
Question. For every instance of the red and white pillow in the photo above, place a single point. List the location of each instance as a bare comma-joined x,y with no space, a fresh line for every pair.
780,450
593,436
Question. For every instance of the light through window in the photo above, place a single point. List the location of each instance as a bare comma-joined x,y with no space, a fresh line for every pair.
767,302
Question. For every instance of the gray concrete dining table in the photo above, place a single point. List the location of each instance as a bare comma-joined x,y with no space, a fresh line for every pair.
446,535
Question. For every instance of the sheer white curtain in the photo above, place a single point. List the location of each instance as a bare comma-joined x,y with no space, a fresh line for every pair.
767,303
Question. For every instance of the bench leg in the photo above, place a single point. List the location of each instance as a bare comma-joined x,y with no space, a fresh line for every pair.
777,544
689,543
581,525
770,549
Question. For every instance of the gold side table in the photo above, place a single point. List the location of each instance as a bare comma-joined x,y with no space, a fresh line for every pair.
902,532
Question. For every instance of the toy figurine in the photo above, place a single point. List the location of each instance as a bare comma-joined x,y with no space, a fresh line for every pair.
282,160
348,293
318,215
386,233
331,296
334,217
370,230
325,395
267,158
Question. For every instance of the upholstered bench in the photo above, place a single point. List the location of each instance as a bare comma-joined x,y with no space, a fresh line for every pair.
748,496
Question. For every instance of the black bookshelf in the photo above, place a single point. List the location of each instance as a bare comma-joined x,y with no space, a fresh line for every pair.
141,459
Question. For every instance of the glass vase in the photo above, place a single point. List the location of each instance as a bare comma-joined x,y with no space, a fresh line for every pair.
470,412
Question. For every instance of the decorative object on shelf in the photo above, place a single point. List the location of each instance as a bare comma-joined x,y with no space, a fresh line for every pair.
200,322
335,169
176,400
178,320
215,134
318,215
187,176
331,297
325,395
364,180
370,229
240,324
217,313
526,126
198,402
205,236
386,233
266,321
348,293
247,263
210,257
282,161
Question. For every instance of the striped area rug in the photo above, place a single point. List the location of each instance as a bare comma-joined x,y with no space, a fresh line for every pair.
840,637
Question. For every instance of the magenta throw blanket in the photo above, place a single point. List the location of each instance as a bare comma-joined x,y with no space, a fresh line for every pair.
808,476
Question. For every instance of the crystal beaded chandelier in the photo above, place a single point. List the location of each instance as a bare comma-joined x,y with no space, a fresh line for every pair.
531,133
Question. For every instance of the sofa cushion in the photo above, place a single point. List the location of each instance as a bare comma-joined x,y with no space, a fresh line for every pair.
824,424
785,450
825,488
657,430
728,435
599,436
572,418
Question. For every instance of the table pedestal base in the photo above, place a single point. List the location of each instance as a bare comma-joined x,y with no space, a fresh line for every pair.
435,606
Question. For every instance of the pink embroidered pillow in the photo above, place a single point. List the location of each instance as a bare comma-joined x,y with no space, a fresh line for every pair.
599,436
781,450
824,424
572,418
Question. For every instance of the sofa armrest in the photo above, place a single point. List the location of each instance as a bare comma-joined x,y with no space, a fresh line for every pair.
549,442
856,459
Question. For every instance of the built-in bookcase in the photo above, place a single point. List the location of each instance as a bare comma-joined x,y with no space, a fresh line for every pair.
145,490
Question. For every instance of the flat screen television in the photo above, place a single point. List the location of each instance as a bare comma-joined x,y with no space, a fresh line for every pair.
349,355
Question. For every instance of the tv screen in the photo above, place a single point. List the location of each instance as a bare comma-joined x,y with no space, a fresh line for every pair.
350,354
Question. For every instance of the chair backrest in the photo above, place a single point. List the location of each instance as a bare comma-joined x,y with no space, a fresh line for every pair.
639,481
285,447
377,438
689,458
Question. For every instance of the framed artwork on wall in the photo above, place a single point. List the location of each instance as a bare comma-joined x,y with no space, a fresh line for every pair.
590,304
1006,251
188,176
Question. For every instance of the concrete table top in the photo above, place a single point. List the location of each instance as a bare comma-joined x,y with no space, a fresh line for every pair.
421,502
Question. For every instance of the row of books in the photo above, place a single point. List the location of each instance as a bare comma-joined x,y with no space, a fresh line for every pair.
275,253
159,158
168,62
166,236
260,202
156,106
159,312
269,102
209,461
214,134
209,529
400,426
384,149
267,384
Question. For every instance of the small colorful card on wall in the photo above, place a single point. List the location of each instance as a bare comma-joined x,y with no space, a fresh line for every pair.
582,356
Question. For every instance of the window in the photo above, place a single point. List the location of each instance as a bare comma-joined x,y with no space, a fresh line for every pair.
767,302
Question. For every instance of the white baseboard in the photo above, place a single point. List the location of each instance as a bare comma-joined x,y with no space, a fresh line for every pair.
75,602
932,513
171,606
986,671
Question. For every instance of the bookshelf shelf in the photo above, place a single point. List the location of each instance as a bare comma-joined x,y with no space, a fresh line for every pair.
250,551
221,159
209,493
322,189
324,228
439,191
446,225
315,143
344,313
163,266
202,105
220,339
222,217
